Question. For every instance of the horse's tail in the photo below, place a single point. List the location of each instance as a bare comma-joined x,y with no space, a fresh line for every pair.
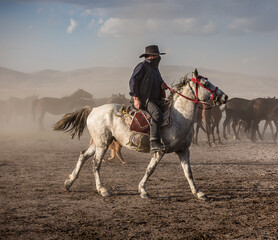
74,122
34,108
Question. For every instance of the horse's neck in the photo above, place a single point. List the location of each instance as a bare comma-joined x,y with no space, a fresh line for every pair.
69,99
184,107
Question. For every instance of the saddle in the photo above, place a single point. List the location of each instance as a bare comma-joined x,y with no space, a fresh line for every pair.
139,120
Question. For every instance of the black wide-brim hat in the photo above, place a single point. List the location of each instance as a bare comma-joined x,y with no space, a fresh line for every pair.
151,50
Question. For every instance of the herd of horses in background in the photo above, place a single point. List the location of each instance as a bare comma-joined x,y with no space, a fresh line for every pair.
241,115
34,108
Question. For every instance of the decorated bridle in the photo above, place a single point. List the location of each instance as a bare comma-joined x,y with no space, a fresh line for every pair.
198,83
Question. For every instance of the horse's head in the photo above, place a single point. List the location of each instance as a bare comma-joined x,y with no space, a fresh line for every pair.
118,98
80,93
205,92
121,95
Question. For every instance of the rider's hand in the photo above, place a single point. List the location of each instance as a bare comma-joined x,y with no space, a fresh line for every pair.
164,86
137,103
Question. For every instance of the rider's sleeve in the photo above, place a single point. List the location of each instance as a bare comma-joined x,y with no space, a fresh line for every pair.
160,78
137,75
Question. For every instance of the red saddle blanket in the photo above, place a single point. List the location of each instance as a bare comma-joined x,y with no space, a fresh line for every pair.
141,120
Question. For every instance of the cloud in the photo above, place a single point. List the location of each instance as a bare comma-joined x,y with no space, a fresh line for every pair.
192,26
120,27
209,28
242,24
254,24
115,27
87,12
210,16
72,26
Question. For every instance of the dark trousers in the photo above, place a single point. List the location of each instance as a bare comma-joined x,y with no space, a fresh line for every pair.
155,110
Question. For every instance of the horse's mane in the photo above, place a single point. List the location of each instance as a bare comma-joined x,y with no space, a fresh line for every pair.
177,87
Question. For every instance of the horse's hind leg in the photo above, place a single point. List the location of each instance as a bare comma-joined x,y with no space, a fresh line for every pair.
118,148
234,129
84,155
112,154
218,133
185,163
150,169
112,148
99,153
197,132
115,150
276,134
226,125
212,132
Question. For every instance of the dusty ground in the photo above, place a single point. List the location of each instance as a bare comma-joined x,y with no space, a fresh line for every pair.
241,179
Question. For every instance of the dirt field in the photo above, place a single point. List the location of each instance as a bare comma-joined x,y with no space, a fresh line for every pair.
241,179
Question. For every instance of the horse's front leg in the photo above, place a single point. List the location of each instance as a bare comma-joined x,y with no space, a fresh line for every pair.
185,163
41,125
150,169
84,155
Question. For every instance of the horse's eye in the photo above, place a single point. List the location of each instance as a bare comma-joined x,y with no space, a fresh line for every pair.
204,82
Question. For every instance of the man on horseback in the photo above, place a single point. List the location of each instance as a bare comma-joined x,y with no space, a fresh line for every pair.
147,91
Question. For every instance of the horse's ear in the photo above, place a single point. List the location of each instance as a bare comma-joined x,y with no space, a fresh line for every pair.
195,73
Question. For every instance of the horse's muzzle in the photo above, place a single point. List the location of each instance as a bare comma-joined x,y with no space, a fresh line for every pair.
224,98
221,100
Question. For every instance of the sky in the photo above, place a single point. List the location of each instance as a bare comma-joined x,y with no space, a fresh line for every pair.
238,36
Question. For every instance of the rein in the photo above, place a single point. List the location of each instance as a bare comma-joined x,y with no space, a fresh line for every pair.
196,100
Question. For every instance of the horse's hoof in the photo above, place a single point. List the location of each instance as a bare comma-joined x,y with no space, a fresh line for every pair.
68,184
209,145
202,196
144,195
104,192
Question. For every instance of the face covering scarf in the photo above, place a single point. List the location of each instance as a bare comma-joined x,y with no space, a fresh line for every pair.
155,62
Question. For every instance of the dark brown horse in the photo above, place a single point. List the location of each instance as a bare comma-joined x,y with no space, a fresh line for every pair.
211,118
262,109
57,106
120,99
20,108
115,98
236,109
16,109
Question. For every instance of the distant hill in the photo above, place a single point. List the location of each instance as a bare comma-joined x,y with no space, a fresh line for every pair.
10,78
103,81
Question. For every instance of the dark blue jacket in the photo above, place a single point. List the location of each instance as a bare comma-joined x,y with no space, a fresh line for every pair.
145,83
